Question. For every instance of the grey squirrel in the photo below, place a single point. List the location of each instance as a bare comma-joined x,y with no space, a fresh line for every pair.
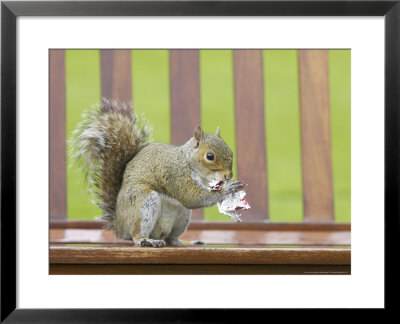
147,190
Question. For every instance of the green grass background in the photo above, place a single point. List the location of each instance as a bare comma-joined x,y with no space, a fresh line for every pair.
150,92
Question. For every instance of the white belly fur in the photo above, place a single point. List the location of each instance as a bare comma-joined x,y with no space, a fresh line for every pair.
173,219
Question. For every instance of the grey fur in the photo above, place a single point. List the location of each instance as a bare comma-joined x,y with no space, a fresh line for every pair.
150,213
126,237
180,225
164,226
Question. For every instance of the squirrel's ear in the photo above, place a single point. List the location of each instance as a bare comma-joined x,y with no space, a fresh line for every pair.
218,132
198,134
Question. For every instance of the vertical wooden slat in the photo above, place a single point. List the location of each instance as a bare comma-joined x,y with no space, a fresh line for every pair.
185,94
107,63
316,135
116,79
250,132
185,98
57,183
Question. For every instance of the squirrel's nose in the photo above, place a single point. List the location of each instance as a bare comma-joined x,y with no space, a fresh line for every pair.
228,176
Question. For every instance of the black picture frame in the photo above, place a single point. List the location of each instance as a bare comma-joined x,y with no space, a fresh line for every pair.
10,10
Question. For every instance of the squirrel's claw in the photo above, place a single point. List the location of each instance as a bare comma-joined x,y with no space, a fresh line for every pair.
152,243
198,242
233,186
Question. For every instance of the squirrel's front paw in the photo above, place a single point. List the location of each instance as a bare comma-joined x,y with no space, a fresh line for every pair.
232,186
152,243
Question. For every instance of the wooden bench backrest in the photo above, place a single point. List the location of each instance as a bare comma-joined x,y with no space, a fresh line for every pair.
116,82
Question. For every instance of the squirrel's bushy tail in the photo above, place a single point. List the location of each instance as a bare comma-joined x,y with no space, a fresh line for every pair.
107,139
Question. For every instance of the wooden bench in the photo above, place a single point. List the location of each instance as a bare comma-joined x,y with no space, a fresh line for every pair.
317,245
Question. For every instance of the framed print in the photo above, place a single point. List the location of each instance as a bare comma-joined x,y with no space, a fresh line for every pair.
304,98
176,89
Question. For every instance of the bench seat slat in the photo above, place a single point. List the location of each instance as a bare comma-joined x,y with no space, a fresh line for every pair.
230,237
211,269
197,255
274,226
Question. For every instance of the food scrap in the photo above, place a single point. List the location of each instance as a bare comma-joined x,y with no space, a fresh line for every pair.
231,205
215,185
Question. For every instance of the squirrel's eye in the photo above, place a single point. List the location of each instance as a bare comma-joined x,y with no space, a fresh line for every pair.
210,156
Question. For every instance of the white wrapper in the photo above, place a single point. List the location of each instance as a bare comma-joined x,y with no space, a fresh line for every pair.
233,204
215,185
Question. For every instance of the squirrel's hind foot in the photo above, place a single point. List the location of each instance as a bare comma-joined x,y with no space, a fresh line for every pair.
152,243
198,242
183,242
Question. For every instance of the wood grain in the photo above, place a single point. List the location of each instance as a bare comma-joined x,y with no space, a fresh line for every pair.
316,135
213,236
222,269
57,159
197,255
250,132
185,99
185,94
211,225
116,78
